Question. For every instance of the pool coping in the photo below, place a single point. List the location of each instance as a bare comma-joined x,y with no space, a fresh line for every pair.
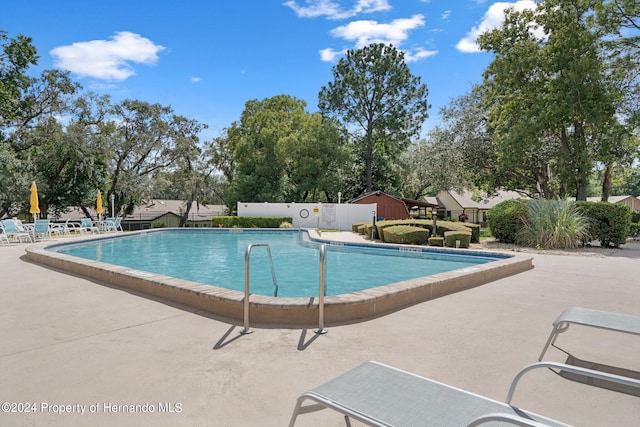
287,311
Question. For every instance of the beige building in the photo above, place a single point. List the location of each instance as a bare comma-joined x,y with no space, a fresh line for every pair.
158,213
468,205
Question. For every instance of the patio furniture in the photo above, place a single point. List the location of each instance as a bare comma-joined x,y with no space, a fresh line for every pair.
86,226
380,395
616,322
112,224
41,229
3,235
593,318
15,230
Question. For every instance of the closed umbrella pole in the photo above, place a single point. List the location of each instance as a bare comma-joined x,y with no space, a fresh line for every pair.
34,207
99,205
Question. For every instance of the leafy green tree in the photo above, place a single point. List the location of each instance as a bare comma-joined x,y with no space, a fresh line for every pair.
17,56
549,95
377,98
142,139
280,153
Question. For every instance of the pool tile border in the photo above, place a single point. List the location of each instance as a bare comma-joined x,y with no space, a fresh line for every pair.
289,312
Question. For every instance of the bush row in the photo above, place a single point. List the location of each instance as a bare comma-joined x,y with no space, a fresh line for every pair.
406,234
249,221
607,222
441,227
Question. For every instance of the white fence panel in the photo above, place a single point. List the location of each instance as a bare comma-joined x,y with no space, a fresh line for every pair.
313,215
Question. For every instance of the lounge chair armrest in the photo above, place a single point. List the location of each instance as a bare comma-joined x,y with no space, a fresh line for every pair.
507,418
618,379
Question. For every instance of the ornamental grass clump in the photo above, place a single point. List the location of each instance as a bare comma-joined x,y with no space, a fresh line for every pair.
553,224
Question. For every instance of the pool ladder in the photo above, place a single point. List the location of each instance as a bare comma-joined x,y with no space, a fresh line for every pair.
321,285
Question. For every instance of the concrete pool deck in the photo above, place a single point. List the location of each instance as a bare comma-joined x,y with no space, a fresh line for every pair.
66,340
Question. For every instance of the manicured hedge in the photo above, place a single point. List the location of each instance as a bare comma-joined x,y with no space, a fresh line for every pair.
356,225
427,224
609,222
436,241
249,221
634,230
406,234
505,219
450,238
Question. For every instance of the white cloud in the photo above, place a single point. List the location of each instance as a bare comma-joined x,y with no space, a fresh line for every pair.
333,10
364,33
194,79
446,15
107,59
418,55
330,55
493,18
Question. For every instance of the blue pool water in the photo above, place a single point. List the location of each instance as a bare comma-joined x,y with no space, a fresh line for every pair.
216,257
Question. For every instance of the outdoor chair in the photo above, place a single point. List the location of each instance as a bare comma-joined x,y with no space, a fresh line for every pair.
615,322
15,231
381,395
4,239
41,229
86,226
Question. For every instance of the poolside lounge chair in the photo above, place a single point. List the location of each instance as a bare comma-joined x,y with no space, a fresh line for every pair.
615,322
4,239
112,224
15,231
86,226
41,229
380,395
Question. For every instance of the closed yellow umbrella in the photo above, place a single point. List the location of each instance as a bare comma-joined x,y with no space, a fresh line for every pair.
33,200
99,204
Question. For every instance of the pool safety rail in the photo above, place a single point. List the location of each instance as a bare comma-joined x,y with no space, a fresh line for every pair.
321,285
247,264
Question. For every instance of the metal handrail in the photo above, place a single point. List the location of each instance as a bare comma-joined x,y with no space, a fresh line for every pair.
247,259
322,289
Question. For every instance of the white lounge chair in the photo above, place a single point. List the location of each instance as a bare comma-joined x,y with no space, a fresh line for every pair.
86,226
4,239
380,395
41,229
593,318
15,231
112,224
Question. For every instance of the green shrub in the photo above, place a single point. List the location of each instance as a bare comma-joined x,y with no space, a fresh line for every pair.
506,219
436,241
450,238
553,224
444,226
634,230
635,216
157,224
406,234
249,221
356,225
362,228
381,225
367,228
608,222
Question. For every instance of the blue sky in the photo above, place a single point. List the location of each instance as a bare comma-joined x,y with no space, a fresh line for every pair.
207,58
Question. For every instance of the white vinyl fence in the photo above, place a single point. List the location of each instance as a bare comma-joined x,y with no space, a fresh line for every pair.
313,215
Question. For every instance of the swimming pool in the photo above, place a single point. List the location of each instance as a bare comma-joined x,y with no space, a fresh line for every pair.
216,257
229,304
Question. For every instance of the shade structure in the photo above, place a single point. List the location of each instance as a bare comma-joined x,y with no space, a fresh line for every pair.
34,207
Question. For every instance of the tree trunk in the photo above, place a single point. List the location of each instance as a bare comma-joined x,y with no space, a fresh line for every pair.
369,166
606,183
